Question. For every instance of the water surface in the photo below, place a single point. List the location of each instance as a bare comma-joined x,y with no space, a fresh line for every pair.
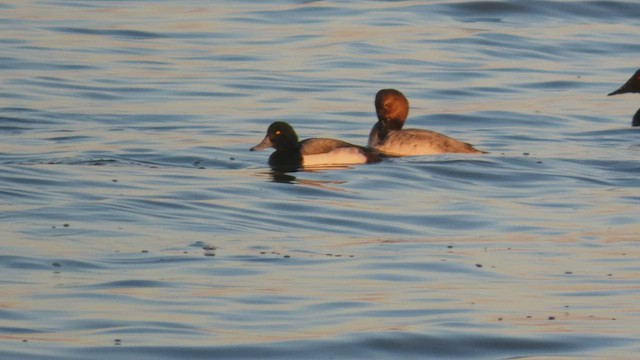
136,224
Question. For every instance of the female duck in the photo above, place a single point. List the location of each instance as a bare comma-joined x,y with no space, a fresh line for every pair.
388,137
631,86
311,152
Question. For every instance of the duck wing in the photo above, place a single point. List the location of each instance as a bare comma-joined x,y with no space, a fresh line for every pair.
315,146
422,142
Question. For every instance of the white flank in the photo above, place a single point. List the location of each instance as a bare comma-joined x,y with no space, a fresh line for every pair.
339,156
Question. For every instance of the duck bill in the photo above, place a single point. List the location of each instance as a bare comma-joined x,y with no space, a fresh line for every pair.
265,143
623,89
619,91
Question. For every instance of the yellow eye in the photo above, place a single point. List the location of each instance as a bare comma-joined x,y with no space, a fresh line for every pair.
277,132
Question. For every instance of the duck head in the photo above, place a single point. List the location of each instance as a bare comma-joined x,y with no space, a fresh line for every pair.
392,108
280,136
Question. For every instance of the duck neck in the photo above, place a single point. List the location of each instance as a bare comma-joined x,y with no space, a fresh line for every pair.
387,125
378,133
287,143
383,131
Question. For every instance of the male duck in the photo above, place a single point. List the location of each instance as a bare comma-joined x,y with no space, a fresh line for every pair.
291,153
388,137
631,86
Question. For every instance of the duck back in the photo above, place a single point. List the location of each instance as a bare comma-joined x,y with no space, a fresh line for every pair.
409,142
322,151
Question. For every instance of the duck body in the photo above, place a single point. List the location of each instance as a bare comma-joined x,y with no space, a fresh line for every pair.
408,142
291,153
631,86
388,137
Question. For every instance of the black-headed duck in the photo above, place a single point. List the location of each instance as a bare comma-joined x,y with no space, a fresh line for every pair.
291,153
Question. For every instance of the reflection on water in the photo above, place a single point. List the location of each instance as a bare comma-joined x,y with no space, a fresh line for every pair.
282,177
135,223
288,176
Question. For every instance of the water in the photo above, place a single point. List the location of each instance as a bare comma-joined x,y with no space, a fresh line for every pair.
136,224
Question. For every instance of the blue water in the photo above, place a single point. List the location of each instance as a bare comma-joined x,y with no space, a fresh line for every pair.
135,223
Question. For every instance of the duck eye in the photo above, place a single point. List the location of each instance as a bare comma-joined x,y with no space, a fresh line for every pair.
278,132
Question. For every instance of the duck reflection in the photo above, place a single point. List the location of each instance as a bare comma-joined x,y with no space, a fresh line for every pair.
282,177
288,178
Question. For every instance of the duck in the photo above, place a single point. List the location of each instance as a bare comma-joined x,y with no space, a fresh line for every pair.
389,138
631,86
292,154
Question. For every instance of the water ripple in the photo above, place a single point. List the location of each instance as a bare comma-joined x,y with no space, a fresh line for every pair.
127,34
